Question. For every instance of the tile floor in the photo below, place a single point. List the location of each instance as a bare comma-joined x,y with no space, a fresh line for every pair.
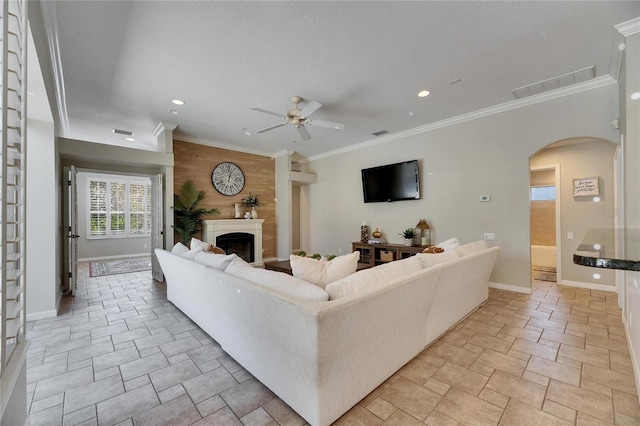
120,354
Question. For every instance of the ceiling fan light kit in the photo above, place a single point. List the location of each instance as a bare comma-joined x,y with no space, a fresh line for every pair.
299,117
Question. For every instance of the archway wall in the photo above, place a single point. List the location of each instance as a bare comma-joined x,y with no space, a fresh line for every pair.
580,158
458,163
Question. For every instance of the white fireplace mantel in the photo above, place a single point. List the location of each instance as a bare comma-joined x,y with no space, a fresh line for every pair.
212,229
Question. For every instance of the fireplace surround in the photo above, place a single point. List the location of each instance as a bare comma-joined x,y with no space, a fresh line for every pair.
213,229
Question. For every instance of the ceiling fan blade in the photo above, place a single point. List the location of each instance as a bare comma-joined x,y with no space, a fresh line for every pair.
304,134
266,111
272,127
309,109
329,124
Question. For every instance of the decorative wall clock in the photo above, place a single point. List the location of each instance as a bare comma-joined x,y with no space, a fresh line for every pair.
227,178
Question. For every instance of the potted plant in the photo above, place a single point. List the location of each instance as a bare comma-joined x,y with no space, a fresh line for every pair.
187,215
408,235
252,202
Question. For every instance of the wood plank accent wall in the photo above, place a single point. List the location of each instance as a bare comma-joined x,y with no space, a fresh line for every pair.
196,162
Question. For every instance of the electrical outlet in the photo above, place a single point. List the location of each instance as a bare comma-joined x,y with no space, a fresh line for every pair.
569,235
489,236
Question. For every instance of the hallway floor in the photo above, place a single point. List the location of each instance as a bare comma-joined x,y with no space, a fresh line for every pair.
120,353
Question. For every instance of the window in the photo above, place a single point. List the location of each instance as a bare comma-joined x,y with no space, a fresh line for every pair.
118,208
542,193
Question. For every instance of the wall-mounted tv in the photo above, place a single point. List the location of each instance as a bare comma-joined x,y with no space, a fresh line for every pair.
391,182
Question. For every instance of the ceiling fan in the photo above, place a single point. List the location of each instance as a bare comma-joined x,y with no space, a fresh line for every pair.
300,117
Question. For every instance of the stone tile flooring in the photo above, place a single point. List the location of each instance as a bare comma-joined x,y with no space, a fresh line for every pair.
120,354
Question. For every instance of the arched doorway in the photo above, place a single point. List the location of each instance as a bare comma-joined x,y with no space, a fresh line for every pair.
559,219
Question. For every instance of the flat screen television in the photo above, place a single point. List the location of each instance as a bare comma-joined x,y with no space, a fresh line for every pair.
391,182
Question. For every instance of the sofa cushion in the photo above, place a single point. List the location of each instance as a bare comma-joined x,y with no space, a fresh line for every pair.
431,259
373,278
180,249
218,261
278,281
198,243
449,244
471,248
322,272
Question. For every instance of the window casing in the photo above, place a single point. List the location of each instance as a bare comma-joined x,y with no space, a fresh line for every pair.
118,207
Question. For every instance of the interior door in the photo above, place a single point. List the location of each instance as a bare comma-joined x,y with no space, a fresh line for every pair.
157,225
72,235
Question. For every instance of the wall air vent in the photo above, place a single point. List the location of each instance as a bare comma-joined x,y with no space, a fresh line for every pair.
379,133
122,132
555,82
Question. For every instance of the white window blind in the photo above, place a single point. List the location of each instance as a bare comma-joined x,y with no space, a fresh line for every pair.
118,208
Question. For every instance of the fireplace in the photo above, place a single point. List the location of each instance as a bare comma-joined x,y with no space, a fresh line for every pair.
240,243
233,236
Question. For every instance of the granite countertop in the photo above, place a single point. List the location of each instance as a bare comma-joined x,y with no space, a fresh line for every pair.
598,249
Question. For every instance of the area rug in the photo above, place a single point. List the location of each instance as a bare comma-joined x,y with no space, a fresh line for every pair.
543,273
119,266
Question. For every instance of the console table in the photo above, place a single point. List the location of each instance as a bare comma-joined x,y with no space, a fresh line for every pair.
377,254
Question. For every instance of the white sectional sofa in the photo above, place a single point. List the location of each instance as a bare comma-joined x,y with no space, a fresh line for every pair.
323,356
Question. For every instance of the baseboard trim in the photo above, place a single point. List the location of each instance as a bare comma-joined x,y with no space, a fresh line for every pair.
589,286
52,313
118,256
634,358
510,287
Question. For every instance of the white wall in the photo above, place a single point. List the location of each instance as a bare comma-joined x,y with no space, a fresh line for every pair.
42,277
579,214
458,163
92,248
630,126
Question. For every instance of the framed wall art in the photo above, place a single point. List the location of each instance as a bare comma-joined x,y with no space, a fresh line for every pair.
586,187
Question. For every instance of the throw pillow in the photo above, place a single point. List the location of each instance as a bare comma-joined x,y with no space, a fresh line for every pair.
372,279
214,249
191,254
322,272
429,260
218,261
278,281
471,248
180,249
198,243
449,244
433,249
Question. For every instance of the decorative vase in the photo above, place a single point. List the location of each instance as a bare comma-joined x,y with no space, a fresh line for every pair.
254,213
364,233
376,234
237,210
408,242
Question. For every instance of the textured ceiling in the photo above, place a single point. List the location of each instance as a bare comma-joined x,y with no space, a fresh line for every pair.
122,62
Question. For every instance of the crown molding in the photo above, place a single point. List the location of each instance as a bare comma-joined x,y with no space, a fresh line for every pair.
595,83
629,28
220,145
49,16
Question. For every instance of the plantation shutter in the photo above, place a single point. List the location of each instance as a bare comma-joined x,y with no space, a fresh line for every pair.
13,23
98,208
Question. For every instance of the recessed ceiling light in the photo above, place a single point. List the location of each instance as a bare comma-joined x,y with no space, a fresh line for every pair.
635,96
130,139
246,132
423,93
622,46
597,276
173,111
412,113
177,102
596,199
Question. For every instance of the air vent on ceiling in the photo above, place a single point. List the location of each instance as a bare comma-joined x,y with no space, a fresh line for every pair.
379,133
555,82
122,132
